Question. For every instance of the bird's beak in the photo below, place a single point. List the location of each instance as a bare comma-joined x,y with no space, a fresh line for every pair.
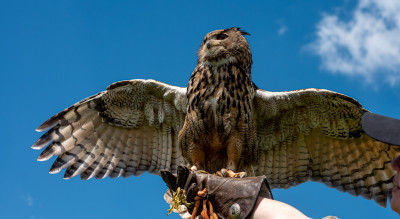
212,43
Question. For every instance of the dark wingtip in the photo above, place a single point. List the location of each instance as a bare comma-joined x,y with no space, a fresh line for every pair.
46,153
57,165
43,141
50,123
69,173
84,176
53,121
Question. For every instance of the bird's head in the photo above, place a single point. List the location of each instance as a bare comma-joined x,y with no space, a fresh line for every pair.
225,46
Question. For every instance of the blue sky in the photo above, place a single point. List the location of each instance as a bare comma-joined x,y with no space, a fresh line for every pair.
55,53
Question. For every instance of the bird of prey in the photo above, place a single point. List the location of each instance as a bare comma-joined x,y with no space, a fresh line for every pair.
221,120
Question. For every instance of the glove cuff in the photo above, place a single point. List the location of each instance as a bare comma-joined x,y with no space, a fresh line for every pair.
235,196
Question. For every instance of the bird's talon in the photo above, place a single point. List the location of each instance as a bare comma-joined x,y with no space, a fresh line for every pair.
224,172
193,168
229,173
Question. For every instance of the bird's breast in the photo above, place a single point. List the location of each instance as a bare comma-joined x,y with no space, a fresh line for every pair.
221,97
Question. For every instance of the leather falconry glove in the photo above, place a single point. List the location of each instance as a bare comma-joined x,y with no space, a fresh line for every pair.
230,197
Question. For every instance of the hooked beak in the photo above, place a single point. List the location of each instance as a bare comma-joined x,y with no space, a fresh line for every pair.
212,43
208,44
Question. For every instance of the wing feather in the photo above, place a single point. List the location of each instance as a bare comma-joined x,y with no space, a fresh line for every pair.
319,133
128,129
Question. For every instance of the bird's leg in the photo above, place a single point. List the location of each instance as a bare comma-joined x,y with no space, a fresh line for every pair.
198,158
234,151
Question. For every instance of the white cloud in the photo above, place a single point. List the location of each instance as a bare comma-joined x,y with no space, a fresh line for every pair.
368,44
282,30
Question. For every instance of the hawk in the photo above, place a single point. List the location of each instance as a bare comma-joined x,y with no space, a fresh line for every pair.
221,120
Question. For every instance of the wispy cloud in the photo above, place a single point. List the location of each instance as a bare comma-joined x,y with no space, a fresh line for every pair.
367,44
282,30
282,27
28,199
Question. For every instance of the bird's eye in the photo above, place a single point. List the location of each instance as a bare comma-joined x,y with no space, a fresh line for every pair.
222,36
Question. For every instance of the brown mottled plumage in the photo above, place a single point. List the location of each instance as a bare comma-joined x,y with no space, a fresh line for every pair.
222,120
219,130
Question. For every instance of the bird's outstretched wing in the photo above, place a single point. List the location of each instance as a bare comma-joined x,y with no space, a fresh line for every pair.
130,128
316,135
